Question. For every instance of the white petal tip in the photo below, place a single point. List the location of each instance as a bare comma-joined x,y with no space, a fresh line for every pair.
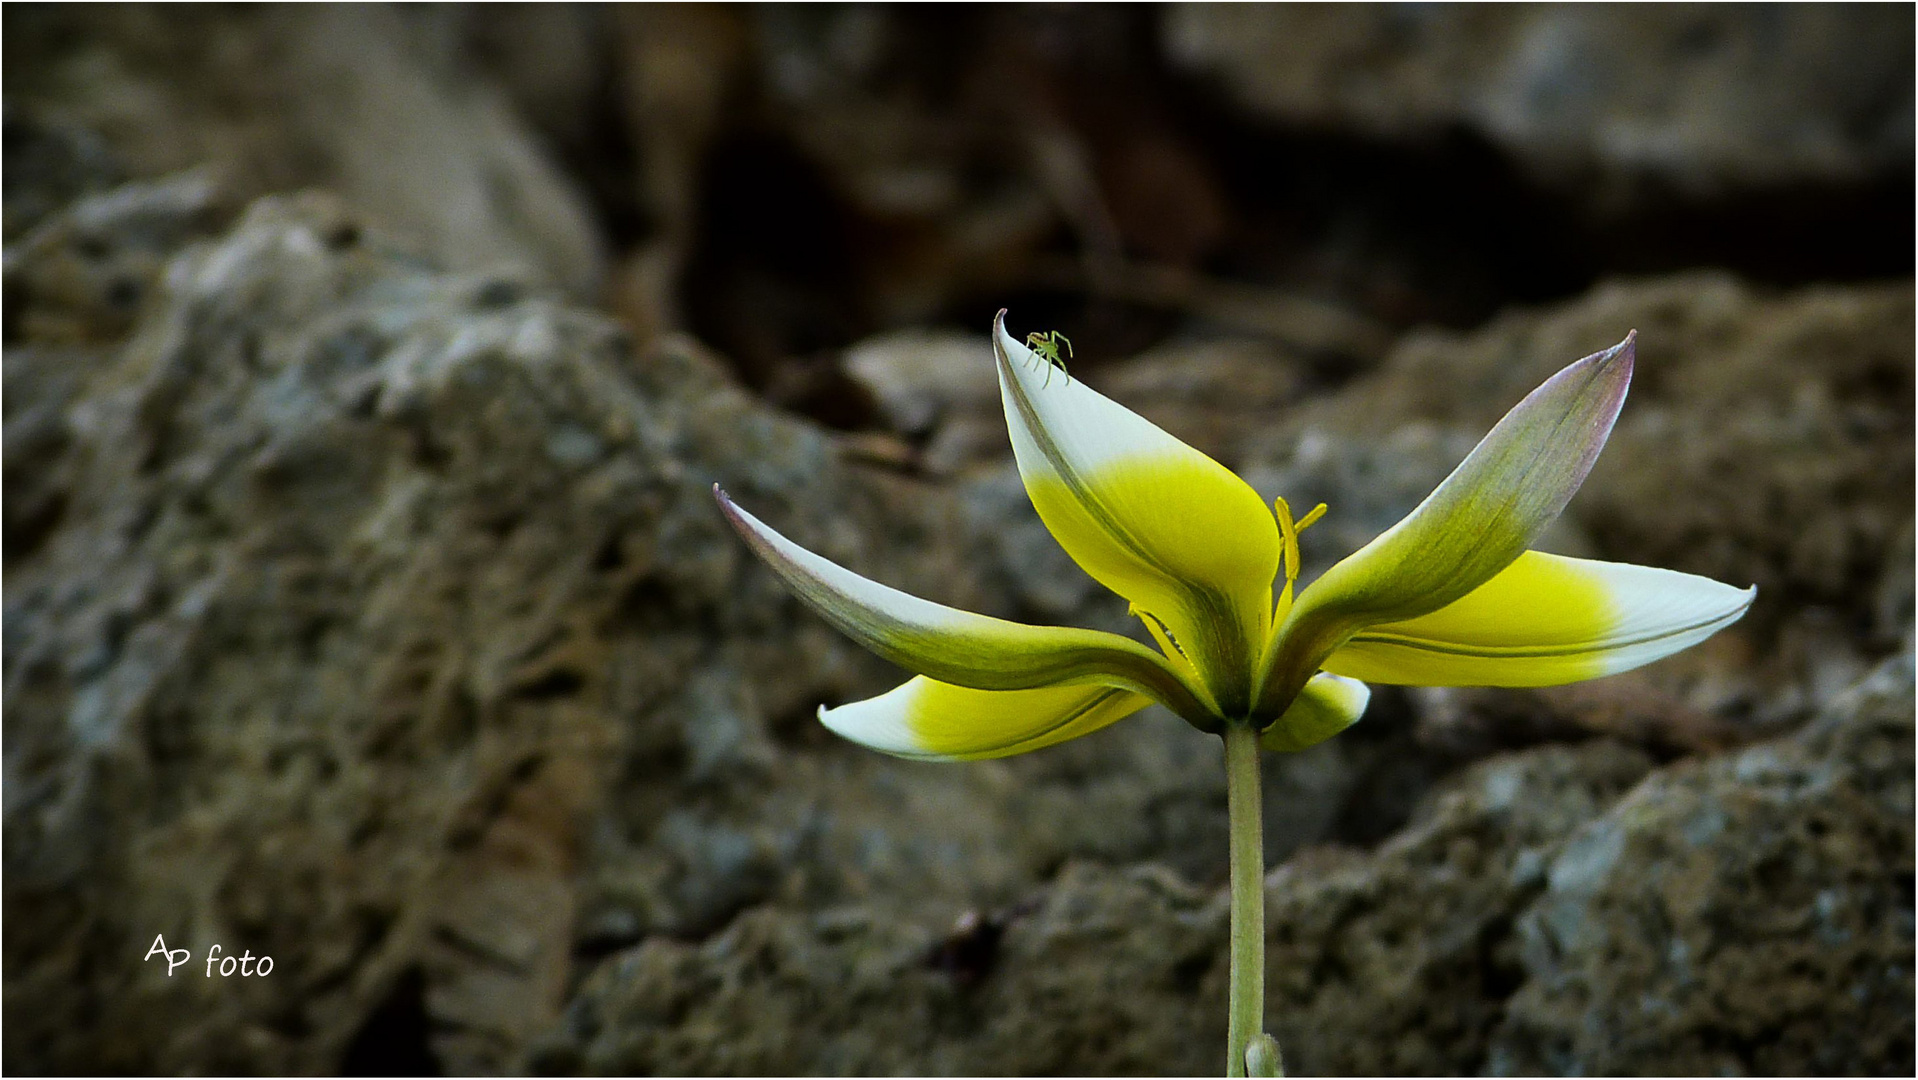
1032,369
876,723
1351,693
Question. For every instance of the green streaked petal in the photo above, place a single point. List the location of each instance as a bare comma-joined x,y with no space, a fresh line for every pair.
1546,620
936,721
1326,706
1149,517
1473,525
958,646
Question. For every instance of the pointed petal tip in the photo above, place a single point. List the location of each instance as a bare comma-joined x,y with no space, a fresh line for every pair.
1001,337
761,540
1622,356
1014,356
1548,620
1474,524
730,509
1604,380
1615,365
953,645
928,720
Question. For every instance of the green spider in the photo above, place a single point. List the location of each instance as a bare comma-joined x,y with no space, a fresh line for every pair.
1047,345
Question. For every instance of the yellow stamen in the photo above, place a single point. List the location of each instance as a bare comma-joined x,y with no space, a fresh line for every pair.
1289,537
1166,644
1289,531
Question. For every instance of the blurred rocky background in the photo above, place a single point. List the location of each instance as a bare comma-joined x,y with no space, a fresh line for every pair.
367,370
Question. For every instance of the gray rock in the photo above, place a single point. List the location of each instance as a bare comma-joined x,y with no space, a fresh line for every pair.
1213,393
371,102
1397,962
329,655
81,274
1078,982
50,163
1730,915
1567,909
381,622
920,377
1704,100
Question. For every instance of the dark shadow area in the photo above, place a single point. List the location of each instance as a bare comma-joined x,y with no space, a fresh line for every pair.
393,1040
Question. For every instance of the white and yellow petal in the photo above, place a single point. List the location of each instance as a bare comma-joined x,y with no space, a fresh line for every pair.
1473,525
961,647
935,721
1326,706
1149,517
1546,620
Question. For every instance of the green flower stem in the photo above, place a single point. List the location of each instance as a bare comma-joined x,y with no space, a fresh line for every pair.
1246,1008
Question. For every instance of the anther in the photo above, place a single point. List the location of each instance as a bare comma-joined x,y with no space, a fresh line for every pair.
1289,531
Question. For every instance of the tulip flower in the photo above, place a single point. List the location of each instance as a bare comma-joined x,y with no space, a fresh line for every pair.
1452,595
